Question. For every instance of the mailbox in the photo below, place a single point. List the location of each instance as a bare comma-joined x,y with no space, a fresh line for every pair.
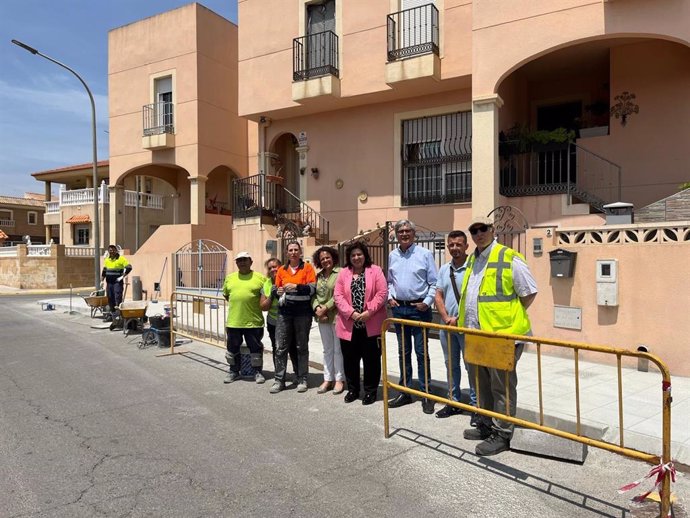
562,262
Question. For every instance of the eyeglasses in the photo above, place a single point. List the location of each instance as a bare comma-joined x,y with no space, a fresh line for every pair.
479,228
405,231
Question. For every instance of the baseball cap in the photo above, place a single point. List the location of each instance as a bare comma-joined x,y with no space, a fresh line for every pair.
243,255
482,220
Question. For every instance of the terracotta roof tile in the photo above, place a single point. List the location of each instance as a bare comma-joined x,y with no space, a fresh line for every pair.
79,218
11,200
3,235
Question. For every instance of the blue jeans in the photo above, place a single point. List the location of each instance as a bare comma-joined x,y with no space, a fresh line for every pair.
457,349
405,350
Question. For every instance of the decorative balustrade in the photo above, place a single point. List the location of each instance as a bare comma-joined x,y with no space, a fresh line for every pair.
85,197
413,32
78,251
150,201
6,222
8,251
38,250
626,234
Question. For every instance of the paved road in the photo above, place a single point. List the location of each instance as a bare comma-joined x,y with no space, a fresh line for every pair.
91,425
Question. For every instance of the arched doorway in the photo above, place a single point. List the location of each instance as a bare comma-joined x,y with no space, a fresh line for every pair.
284,162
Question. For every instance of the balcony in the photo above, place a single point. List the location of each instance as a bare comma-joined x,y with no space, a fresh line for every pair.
6,223
315,68
159,126
85,197
413,44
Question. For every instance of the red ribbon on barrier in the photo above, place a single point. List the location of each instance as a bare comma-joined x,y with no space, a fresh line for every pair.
658,471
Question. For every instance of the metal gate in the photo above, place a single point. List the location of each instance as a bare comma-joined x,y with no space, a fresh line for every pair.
382,241
511,227
200,266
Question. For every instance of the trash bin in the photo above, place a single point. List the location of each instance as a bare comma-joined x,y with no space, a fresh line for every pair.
562,262
136,288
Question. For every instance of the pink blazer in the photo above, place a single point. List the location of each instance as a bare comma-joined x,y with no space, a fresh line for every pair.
375,299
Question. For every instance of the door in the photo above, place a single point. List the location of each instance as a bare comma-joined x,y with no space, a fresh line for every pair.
554,161
319,47
416,23
164,104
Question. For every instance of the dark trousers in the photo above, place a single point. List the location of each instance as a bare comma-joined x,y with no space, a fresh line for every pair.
417,335
252,337
292,351
292,331
367,349
114,292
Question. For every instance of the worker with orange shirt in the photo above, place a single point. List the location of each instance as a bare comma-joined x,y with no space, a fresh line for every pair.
295,286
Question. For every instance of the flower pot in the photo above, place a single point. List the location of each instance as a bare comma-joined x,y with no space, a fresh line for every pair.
595,131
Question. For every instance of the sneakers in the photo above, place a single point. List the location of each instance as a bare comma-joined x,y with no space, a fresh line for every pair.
448,411
232,376
475,420
302,386
277,387
477,434
259,378
493,445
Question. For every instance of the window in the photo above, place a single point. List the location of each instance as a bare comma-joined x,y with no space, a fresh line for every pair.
32,218
81,234
437,159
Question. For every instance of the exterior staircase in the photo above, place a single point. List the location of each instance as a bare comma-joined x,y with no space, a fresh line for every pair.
258,196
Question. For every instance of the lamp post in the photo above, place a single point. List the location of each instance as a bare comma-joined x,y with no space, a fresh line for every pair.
96,219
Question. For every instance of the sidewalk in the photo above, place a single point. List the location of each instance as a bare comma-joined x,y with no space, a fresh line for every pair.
598,391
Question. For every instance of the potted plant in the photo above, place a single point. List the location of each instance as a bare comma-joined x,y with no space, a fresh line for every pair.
596,121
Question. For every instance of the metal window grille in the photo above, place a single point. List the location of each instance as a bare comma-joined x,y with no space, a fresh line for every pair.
413,32
315,55
159,118
437,159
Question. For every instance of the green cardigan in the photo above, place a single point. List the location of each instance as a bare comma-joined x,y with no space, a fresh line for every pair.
325,286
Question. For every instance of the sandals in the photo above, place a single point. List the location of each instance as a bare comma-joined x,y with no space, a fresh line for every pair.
339,387
325,387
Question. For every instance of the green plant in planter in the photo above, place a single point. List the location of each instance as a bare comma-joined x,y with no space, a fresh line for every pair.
521,139
598,114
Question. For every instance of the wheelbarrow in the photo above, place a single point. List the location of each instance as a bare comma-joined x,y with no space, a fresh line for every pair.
131,312
97,301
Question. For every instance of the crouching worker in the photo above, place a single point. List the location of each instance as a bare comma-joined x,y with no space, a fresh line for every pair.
115,269
244,290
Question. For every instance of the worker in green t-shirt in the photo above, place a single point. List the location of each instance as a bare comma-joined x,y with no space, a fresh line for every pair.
244,290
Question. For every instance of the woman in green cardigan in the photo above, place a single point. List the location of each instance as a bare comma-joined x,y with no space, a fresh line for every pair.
323,304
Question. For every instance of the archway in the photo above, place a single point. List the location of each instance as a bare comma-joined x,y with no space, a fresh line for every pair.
284,163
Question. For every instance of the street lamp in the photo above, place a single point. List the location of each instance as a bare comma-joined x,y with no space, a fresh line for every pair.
96,219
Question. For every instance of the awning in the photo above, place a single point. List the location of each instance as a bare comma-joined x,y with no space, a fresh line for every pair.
79,218
3,235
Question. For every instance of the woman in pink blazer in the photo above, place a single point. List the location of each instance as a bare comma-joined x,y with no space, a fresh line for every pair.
361,292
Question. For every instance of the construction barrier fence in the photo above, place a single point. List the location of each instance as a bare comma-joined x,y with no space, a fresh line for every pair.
497,351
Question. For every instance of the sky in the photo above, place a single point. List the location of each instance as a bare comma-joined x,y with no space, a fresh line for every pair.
45,114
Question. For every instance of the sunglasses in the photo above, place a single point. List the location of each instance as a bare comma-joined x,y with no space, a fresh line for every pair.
479,228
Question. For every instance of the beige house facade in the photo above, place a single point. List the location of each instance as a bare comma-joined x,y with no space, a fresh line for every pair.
539,112
20,217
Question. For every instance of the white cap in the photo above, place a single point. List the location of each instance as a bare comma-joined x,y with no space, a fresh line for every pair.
243,255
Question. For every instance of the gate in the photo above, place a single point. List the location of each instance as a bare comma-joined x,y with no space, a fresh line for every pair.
511,227
200,266
382,241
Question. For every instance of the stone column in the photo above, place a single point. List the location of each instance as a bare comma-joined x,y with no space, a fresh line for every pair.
197,202
485,164
47,195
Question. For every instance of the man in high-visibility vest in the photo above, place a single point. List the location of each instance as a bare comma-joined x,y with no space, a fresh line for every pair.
496,292
115,269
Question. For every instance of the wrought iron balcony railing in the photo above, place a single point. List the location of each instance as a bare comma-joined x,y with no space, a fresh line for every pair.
315,55
158,118
413,32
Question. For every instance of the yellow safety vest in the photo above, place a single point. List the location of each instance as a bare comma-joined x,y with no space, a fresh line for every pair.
498,306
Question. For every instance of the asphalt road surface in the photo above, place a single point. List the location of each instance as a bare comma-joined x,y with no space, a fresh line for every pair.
91,425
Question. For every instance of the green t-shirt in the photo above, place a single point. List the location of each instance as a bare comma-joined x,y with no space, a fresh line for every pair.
244,296
272,315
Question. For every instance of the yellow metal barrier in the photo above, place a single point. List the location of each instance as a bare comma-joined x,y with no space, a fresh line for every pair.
497,351
198,317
